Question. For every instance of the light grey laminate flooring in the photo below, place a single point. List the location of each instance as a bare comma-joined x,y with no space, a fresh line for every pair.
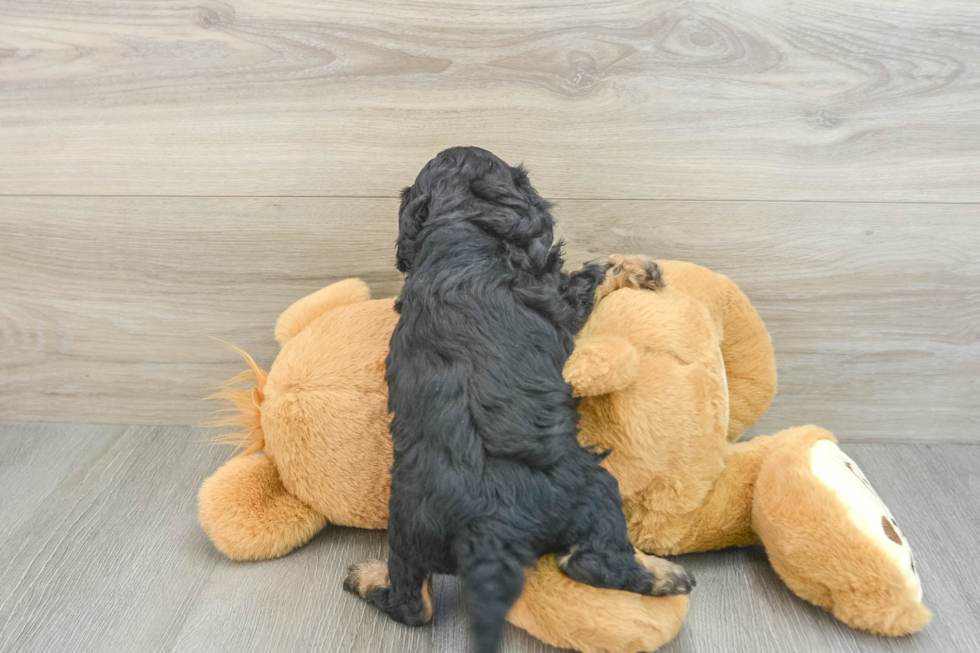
101,551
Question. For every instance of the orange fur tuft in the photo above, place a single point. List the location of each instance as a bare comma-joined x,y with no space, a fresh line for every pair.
246,413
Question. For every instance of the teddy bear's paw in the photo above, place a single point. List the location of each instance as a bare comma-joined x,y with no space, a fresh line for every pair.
668,578
865,509
638,272
365,576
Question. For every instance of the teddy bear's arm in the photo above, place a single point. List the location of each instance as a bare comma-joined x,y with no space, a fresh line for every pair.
295,318
600,365
249,515
750,362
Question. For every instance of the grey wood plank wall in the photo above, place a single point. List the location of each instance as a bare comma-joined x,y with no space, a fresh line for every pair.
111,305
822,154
822,100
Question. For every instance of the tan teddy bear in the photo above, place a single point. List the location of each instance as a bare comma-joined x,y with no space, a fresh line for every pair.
669,379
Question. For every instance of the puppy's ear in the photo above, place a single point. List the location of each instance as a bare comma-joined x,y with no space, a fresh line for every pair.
523,218
412,215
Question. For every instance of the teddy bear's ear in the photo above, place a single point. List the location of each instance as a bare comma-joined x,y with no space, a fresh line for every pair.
600,365
298,316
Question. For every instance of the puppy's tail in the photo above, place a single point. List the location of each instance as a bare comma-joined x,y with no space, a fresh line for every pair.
245,413
492,578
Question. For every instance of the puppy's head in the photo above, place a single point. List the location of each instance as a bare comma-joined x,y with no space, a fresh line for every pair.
472,184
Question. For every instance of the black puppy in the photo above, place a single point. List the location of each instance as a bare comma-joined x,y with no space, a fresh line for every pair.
488,475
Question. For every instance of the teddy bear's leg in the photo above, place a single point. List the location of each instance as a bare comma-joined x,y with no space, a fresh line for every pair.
723,519
249,515
567,614
306,309
831,538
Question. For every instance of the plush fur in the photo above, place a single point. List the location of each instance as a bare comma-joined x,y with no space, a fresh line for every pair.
488,475
796,515
695,362
567,614
656,391
319,422
247,508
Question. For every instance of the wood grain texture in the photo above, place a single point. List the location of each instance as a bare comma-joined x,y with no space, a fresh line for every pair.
108,558
823,100
113,559
110,306
38,457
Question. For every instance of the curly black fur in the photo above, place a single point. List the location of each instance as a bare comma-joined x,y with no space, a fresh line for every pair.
488,475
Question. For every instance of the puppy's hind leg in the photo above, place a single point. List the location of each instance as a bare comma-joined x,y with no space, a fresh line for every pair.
604,557
401,590
493,578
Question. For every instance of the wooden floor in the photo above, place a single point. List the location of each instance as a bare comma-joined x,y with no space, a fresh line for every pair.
102,552
174,172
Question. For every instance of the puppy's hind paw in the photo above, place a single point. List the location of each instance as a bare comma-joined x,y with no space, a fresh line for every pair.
668,578
638,272
365,576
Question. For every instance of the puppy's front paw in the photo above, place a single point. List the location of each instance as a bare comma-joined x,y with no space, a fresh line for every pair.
668,578
367,575
639,272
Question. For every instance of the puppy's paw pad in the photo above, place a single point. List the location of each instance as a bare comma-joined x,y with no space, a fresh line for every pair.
681,583
637,272
668,578
653,277
367,575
